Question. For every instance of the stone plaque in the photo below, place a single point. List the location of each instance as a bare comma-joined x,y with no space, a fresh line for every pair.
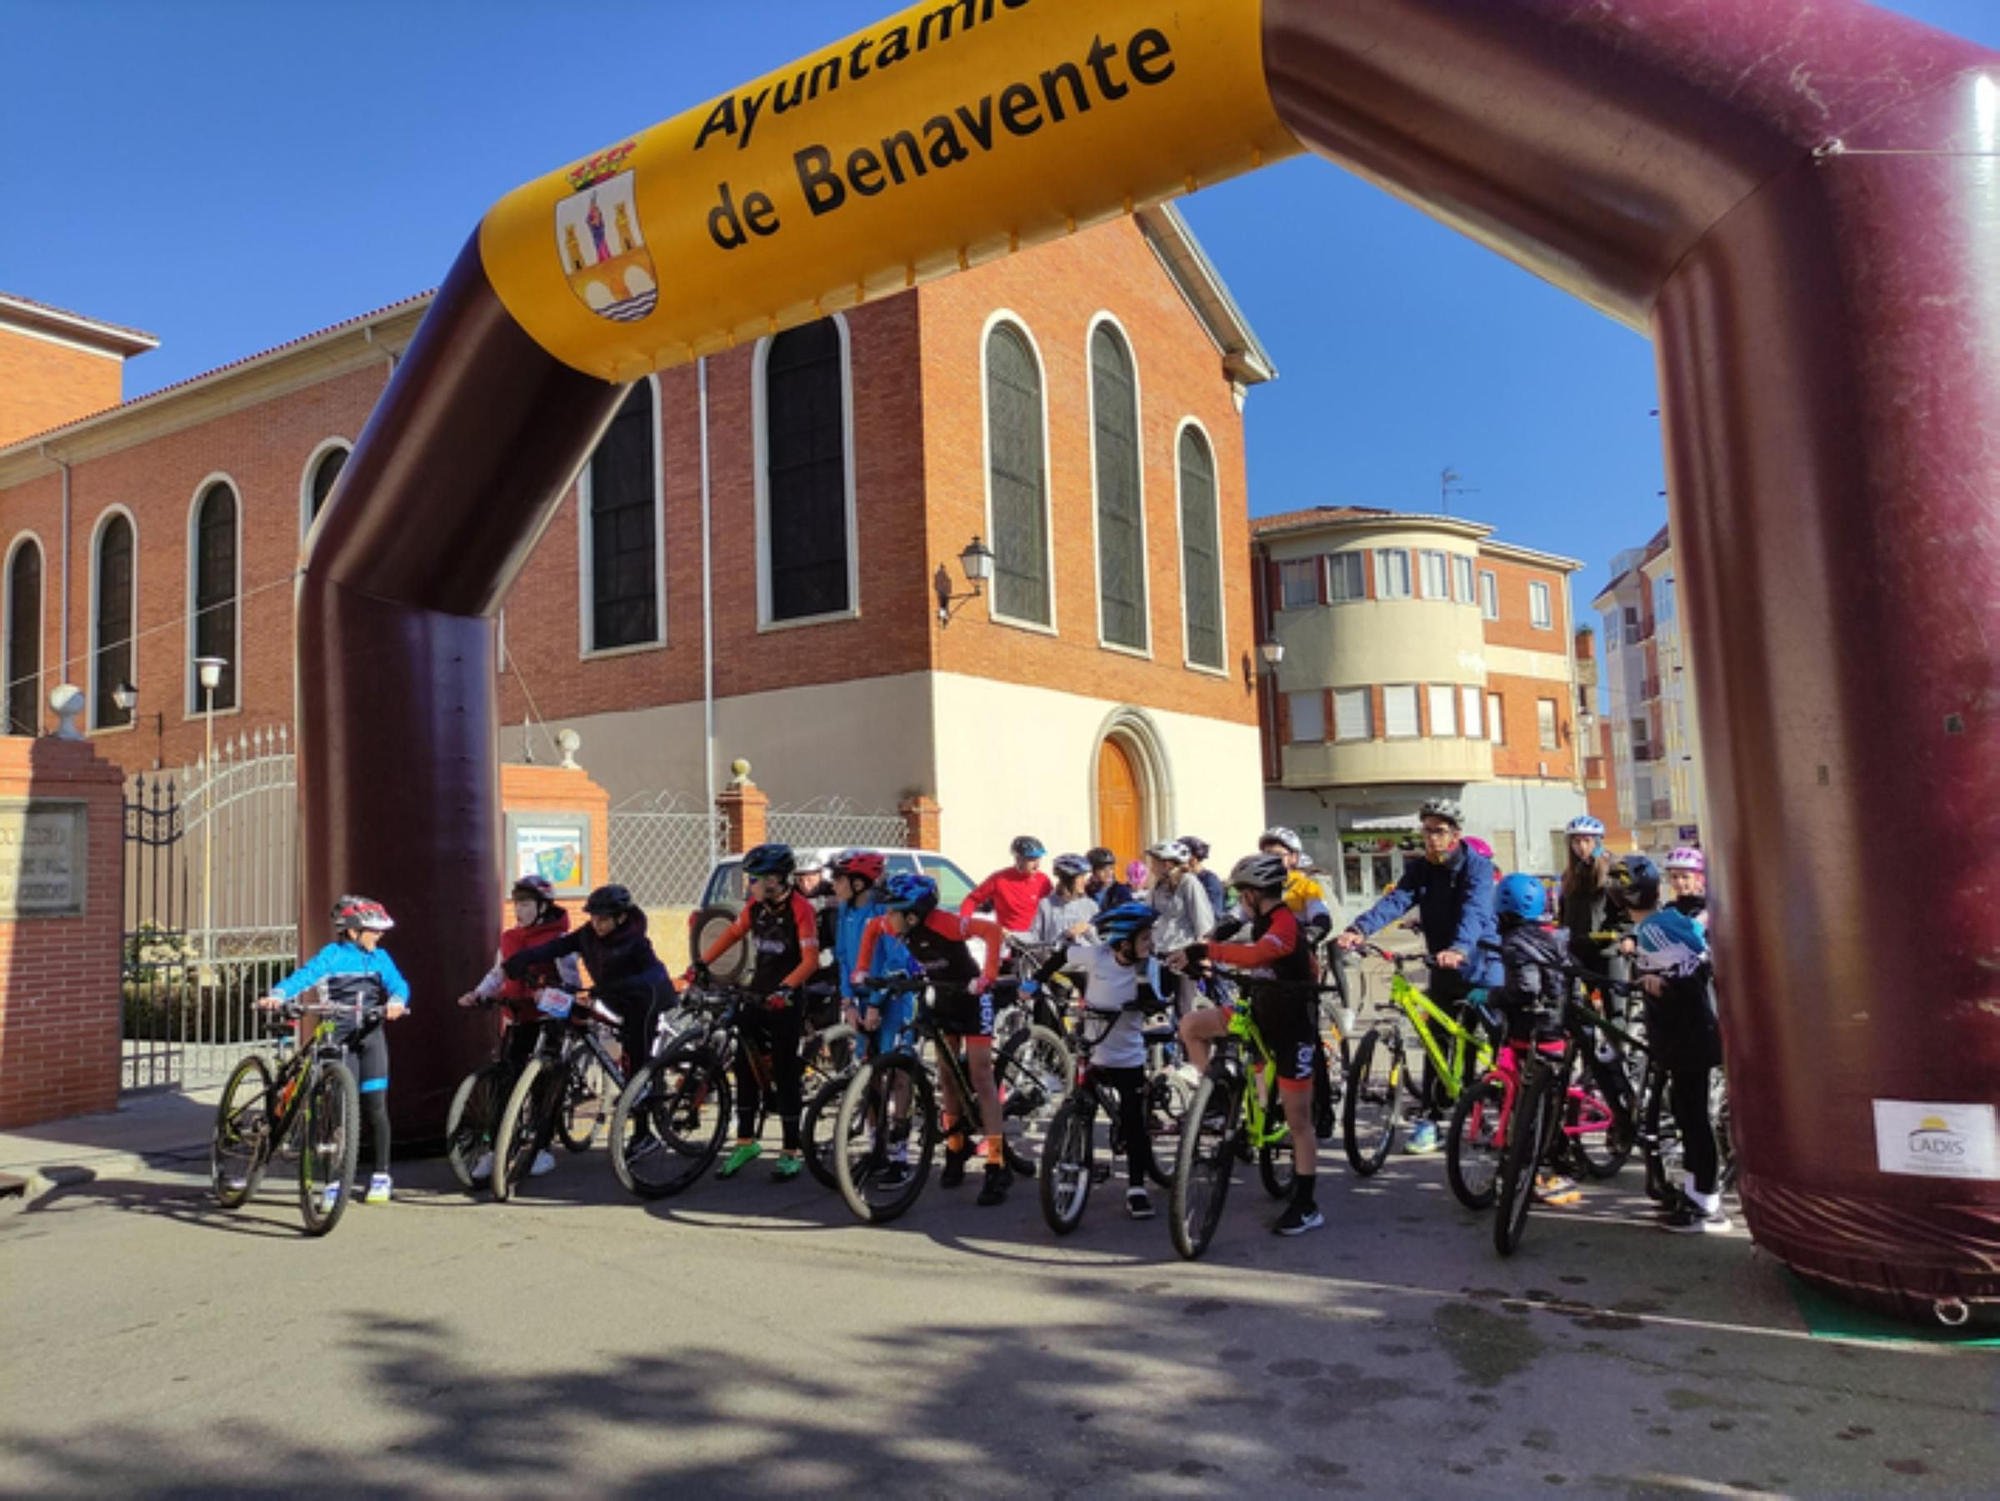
43,871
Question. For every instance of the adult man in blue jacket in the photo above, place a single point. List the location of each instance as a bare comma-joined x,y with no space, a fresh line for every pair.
1452,889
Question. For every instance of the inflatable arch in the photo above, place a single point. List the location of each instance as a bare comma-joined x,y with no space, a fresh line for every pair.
1798,200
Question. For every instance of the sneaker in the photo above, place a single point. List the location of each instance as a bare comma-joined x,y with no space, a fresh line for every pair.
895,1173
483,1168
1138,1204
545,1162
1298,1218
379,1189
788,1168
1555,1190
740,1156
955,1159
998,1180
1689,1218
1423,1139
330,1199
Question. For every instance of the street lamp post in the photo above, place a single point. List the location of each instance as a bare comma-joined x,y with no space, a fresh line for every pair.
210,672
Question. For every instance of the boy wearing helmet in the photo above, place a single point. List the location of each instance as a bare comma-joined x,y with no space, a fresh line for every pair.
1305,896
356,972
1531,961
1211,883
1119,971
783,930
1013,892
964,1009
625,973
1278,963
879,1019
1104,887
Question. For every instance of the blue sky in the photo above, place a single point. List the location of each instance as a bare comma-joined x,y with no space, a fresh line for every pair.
229,174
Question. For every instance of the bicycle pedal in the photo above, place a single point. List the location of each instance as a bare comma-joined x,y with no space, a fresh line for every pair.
1100,1173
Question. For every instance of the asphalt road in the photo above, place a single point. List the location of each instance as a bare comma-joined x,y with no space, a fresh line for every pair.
749,1339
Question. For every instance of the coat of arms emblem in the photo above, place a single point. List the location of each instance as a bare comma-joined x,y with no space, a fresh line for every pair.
603,250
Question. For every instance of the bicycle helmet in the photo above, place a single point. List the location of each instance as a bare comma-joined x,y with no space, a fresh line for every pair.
769,860
914,894
863,865
1687,857
1099,857
1447,808
1173,851
1071,865
1260,873
808,864
1521,896
1027,847
1124,922
608,901
1282,836
534,889
1636,882
1586,825
1196,847
360,912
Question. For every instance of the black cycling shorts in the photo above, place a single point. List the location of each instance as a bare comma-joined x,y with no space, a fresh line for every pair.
1288,1025
368,1056
962,1014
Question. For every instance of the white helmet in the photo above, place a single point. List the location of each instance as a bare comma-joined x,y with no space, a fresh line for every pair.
1170,850
1279,834
1584,824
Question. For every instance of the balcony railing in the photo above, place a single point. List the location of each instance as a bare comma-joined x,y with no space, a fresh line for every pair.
1663,809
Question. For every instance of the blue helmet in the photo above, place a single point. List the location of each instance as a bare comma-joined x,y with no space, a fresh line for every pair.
770,860
1125,921
1028,847
911,893
1591,828
1521,896
1635,881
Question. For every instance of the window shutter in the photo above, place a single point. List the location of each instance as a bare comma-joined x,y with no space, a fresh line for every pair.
24,641
624,592
1201,551
1019,482
1399,711
1469,706
215,595
1121,552
1308,717
1443,710
113,666
805,452
1351,715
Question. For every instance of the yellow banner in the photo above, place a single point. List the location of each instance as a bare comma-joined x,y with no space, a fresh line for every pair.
955,132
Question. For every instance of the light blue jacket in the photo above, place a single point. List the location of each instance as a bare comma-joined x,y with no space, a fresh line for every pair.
890,958
344,968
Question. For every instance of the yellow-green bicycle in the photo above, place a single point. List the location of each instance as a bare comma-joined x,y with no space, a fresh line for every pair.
1381,1070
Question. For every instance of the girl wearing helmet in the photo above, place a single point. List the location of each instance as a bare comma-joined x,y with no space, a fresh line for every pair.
1185,917
1687,881
1064,916
1211,883
1119,970
1584,904
1531,961
356,972
1013,892
938,941
879,1018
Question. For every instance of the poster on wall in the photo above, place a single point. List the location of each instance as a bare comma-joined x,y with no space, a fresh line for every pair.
552,845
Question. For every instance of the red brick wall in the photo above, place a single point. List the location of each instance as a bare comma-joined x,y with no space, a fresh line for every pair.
1512,628
59,997
551,789
44,385
1522,755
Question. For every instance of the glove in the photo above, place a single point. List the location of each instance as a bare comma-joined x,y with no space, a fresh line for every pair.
698,973
780,998
1318,927
1196,953
1227,929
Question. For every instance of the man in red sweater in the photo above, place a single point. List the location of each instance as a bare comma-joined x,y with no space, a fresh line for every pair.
1015,892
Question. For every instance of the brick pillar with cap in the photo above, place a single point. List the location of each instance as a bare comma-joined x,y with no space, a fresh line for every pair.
744,808
922,818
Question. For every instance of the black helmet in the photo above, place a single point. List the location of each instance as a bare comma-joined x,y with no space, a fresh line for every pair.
1635,881
609,901
1100,857
1028,847
1197,847
534,889
770,860
1260,873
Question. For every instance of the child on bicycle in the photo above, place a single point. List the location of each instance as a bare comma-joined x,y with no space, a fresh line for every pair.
1119,970
538,919
964,1010
356,971
1687,879
1278,964
1064,916
1534,985
1181,902
1682,1031
879,1018
1452,889
783,930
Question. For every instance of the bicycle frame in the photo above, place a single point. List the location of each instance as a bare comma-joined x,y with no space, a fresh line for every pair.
1470,1056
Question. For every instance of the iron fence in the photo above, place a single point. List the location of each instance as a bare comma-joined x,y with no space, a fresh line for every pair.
662,848
834,821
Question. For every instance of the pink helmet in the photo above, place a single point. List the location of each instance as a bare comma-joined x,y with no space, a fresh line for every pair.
1687,857
1480,847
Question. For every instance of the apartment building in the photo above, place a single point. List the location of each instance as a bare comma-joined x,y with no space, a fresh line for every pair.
1416,656
1068,421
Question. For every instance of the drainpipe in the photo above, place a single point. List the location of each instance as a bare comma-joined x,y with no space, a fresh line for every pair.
62,650
368,337
707,625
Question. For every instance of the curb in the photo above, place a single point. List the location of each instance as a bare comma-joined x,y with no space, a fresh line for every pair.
36,1182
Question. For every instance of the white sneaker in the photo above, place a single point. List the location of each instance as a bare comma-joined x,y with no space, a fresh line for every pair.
544,1163
380,1187
483,1168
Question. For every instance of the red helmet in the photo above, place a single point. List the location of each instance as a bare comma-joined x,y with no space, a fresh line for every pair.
863,865
360,912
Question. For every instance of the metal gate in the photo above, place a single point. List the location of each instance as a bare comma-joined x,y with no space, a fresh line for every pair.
211,908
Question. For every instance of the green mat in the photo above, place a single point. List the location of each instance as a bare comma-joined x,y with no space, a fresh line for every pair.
1828,1317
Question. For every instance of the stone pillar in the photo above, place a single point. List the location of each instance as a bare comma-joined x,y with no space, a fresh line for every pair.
526,791
743,806
62,919
921,822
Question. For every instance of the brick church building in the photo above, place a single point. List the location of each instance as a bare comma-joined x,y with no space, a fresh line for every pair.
1076,409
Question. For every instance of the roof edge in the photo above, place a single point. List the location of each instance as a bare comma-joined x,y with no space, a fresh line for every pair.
114,338
1172,239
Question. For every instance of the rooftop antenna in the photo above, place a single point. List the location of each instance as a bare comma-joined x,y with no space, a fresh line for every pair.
1448,486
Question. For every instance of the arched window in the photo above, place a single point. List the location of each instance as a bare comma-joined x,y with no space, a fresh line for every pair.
1017,479
111,621
1201,550
215,581
1121,526
24,638
621,513
319,480
808,505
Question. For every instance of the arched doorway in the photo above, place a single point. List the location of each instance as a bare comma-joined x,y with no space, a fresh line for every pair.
1120,802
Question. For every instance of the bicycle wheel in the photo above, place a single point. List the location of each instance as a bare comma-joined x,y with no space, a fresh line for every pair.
586,1101
670,1122
1035,1074
1368,1115
1168,1095
1201,1172
828,1054
474,1121
1068,1160
884,1137
816,1129
1472,1142
1601,1150
330,1136
241,1142
1274,1157
1725,1135
1526,1133
527,1122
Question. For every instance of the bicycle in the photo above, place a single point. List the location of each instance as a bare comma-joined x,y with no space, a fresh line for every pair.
889,1126
561,1088
1069,1168
311,1110
1210,1130
1457,1056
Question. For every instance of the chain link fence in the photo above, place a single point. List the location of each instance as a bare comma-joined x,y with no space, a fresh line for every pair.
662,846
834,821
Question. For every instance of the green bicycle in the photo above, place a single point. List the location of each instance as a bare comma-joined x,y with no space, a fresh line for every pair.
1380,1071
1226,1110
